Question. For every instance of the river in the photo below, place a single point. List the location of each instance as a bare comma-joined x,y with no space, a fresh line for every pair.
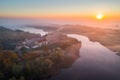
96,62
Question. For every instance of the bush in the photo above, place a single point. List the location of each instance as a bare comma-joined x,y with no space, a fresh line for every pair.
57,56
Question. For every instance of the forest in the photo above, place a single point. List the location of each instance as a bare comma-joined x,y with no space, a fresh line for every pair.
38,64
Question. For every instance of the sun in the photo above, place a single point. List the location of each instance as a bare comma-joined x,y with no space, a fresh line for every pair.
99,16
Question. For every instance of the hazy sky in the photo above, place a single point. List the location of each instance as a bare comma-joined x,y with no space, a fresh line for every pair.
59,8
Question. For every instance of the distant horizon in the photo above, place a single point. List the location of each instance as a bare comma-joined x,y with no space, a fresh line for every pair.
76,12
11,22
62,9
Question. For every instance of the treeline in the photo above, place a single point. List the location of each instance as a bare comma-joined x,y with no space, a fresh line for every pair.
9,38
31,68
34,66
37,65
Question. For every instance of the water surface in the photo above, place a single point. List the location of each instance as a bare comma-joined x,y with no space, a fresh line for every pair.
96,62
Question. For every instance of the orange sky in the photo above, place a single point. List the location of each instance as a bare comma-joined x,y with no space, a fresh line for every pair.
62,9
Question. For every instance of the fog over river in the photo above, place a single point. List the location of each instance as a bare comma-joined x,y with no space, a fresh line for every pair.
96,62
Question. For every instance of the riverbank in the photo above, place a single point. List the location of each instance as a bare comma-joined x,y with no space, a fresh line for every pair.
96,62
110,38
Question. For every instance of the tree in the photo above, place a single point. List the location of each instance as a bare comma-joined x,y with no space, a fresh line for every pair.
48,63
22,78
13,78
57,55
8,58
1,76
24,50
16,70
0,48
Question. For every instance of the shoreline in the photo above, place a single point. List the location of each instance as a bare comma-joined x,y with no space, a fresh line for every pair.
111,41
107,37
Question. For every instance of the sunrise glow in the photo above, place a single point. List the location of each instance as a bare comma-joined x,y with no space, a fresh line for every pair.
99,16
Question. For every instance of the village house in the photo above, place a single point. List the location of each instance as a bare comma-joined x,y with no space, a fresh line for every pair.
32,43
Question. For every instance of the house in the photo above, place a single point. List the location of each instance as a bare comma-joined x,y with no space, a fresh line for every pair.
33,43
41,41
